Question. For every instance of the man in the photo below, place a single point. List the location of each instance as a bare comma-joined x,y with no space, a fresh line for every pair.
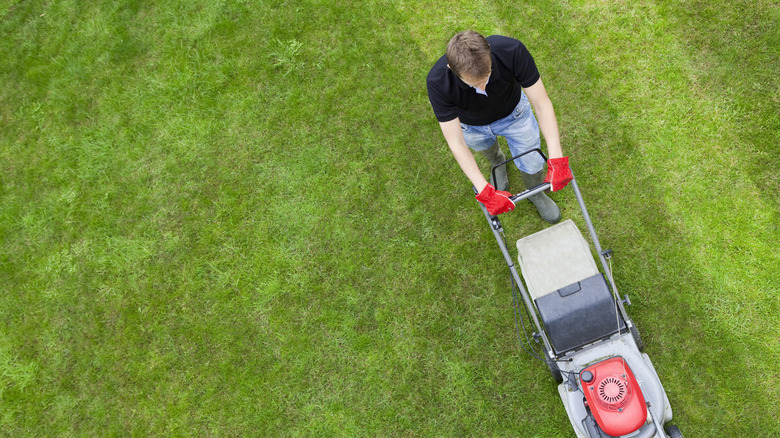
482,88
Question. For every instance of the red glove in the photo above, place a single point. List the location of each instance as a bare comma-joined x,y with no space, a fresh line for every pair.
496,201
558,173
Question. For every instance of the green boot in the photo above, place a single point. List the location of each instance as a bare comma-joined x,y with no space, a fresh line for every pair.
546,207
496,156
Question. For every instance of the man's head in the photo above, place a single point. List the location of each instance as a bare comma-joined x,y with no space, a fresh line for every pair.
468,56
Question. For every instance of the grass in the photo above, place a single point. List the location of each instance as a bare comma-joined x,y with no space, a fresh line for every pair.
239,218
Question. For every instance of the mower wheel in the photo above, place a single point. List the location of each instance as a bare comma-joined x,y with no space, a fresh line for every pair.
673,431
554,370
640,344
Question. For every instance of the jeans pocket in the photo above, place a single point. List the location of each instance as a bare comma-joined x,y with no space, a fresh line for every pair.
522,107
520,111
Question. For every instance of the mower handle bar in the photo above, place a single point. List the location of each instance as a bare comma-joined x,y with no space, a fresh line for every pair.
530,191
543,187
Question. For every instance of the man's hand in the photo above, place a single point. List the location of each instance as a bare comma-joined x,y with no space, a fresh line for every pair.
558,173
495,201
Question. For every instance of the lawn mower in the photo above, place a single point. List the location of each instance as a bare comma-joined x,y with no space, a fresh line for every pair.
592,348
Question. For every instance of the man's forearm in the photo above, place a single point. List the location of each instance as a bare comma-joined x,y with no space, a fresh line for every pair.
468,164
545,114
548,124
457,144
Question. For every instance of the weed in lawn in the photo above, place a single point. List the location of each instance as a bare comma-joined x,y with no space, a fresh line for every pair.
15,374
285,55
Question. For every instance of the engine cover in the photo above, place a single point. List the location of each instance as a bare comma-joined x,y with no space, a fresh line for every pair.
614,396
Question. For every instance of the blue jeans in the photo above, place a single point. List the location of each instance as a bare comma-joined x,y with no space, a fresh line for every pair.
521,131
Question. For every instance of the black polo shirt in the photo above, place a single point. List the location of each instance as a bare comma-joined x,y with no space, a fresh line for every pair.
513,69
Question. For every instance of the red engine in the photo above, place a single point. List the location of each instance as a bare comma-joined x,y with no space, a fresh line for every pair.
614,396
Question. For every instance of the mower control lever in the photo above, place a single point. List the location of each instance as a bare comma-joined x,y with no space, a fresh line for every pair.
530,192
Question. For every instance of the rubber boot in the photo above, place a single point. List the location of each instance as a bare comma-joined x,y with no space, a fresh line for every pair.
544,205
496,156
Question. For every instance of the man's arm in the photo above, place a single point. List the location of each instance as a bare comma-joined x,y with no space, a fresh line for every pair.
558,171
545,114
454,136
496,202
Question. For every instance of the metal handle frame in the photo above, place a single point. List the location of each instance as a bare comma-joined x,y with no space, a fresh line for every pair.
495,226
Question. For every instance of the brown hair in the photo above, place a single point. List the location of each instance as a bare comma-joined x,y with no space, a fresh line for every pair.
468,54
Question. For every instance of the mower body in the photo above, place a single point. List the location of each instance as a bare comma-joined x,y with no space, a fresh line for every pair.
608,386
588,332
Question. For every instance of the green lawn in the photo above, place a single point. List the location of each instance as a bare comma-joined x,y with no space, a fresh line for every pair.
239,217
